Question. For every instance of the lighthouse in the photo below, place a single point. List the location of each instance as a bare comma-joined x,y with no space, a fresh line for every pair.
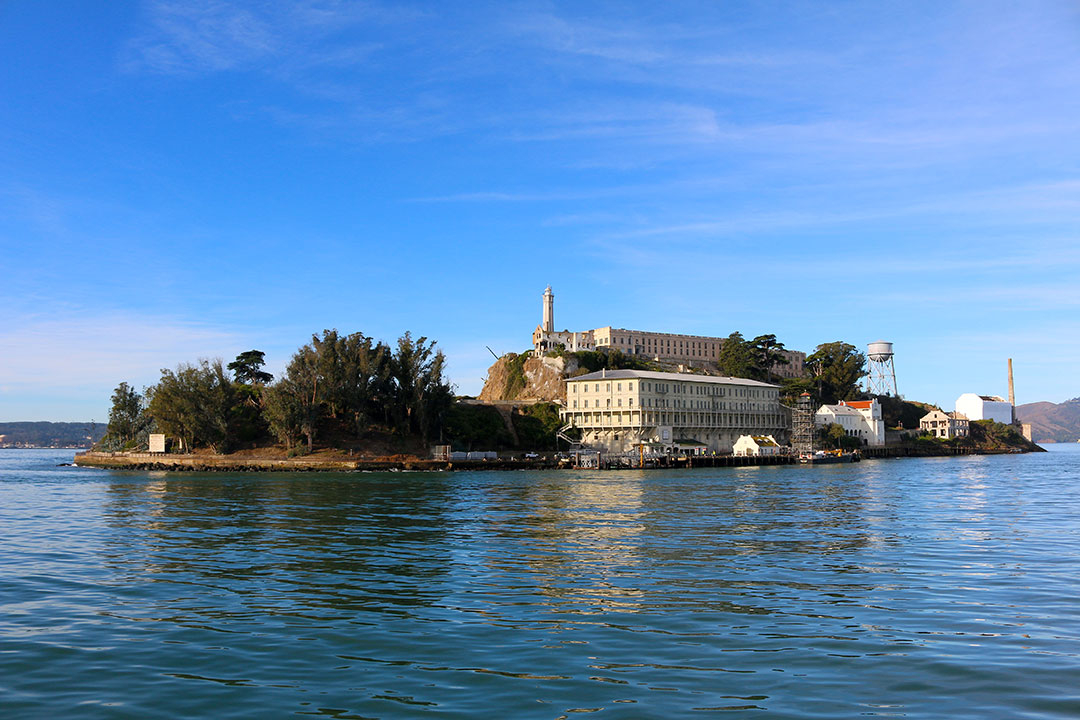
549,311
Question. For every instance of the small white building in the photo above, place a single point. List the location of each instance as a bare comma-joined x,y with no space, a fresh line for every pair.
750,445
985,407
944,425
860,419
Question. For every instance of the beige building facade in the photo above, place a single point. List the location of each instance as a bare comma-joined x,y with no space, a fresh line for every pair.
621,410
945,425
690,350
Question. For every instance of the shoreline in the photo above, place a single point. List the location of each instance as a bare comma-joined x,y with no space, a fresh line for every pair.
226,463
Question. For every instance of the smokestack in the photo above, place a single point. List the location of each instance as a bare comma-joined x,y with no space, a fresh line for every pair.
1012,395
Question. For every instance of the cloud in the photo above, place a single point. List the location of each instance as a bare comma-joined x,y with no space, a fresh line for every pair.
202,36
206,36
77,350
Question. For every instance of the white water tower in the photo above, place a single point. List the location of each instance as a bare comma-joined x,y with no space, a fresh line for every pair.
881,375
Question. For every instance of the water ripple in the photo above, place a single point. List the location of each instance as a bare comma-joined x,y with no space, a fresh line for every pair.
918,589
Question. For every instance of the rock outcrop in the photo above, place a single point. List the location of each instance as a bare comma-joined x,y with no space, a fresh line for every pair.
527,379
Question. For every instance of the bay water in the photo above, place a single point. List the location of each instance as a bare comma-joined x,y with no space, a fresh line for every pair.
916,588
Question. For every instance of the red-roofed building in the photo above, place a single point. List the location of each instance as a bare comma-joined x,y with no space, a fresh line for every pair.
860,419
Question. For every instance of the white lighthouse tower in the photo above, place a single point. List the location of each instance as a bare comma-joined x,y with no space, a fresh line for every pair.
549,310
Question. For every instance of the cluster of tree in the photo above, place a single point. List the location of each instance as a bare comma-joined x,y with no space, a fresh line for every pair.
833,370
483,427
348,382
834,437
608,359
751,359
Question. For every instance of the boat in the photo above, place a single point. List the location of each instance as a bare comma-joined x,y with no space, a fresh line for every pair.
824,457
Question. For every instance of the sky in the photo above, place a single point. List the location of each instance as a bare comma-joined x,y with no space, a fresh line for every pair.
192,179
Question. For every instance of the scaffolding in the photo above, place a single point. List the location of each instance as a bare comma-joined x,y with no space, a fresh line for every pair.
802,426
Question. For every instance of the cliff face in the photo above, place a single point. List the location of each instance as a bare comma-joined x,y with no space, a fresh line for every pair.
527,379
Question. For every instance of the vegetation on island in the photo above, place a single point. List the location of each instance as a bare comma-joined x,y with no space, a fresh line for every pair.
338,387
339,392
983,435
833,370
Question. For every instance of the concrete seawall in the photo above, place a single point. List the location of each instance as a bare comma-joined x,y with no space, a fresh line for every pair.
226,463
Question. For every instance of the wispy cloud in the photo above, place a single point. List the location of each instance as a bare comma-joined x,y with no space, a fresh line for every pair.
180,37
83,349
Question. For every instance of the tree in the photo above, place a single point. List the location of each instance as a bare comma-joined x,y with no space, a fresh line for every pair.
768,353
247,368
834,435
292,404
195,404
422,394
740,358
126,417
837,368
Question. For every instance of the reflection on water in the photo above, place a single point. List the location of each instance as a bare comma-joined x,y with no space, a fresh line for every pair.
922,588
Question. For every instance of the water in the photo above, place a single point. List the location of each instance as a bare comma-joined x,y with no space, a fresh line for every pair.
905,588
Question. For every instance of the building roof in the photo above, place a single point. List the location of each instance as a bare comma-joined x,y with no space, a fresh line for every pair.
839,410
670,377
858,404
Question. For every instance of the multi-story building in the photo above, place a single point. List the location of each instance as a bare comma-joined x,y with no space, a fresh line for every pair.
860,419
944,425
619,410
690,350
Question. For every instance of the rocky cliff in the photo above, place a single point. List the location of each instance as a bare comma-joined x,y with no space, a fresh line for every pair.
527,379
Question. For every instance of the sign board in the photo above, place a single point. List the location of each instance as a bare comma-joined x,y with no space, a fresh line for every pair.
157,443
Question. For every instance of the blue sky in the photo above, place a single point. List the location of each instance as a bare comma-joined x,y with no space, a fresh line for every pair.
182,180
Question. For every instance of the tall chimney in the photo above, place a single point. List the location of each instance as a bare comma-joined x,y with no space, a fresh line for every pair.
1012,396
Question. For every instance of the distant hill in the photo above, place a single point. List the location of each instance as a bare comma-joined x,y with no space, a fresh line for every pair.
50,434
1050,422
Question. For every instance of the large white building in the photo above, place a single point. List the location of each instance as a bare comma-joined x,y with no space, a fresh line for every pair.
860,419
985,407
619,410
691,350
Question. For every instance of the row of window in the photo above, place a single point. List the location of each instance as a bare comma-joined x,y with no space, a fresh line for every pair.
680,388
673,403
741,420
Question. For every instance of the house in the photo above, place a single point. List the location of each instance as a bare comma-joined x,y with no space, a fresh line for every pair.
944,425
750,445
860,419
